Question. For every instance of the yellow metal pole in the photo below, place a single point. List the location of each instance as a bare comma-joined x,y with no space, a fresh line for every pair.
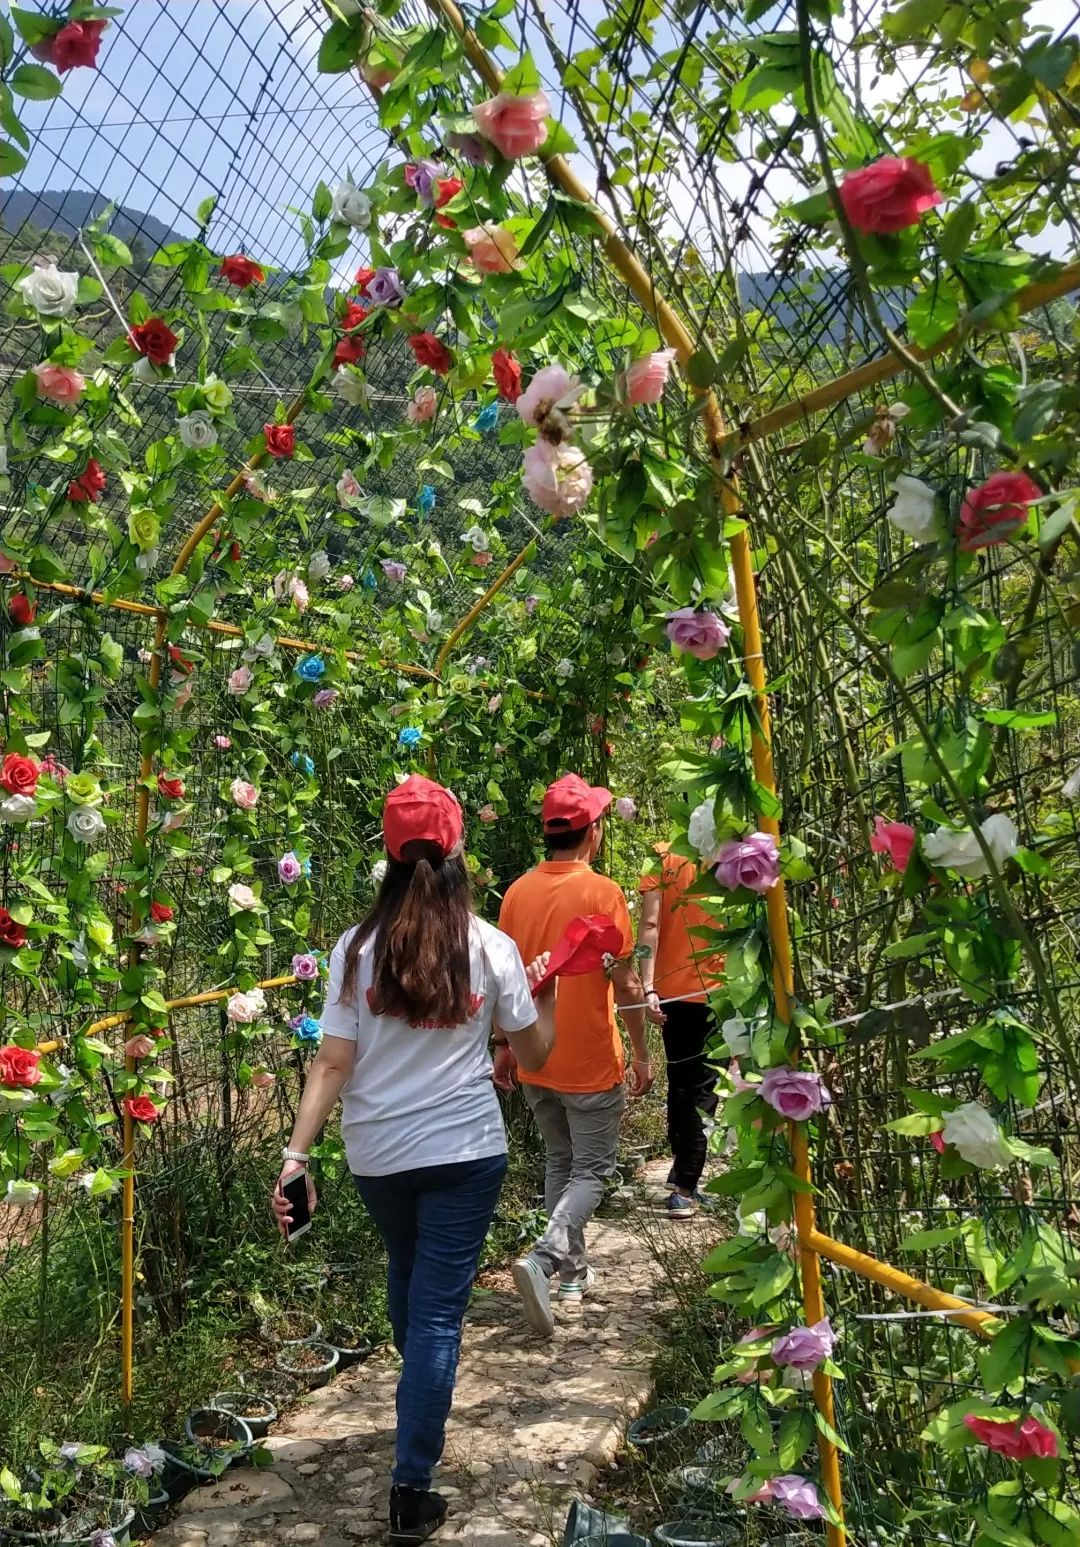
672,328
982,1323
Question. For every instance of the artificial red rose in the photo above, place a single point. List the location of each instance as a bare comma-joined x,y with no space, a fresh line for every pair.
355,313
161,913
239,270
431,352
1021,1440
995,511
142,1109
234,552
280,439
447,188
154,339
89,484
349,350
890,195
11,934
446,222
179,661
19,1066
18,774
21,610
363,279
937,1139
76,44
170,789
506,369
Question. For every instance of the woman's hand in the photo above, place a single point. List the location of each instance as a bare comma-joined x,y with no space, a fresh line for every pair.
536,969
279,1204
504,1075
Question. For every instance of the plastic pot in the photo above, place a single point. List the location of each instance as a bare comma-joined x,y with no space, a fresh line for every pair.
148,1515
655,1427
270,1382
699,1486
585,1525
314,1373
351,1346
118,1518
257,1411
700,1533
212,1426
271,1332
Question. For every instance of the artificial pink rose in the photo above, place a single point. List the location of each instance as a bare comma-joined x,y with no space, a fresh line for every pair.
289,868
701,634
60,383
423,407
480,560
890,195
223,743
557,478
140,1046
795,1093
345,584
515,125
240,680
262,1079
797,1495
896,839
299,593
1022,1440
305,967
647,377
753,862
141,1109
324,698
492,250
805,1348
551,389
995,511
244,795
488,814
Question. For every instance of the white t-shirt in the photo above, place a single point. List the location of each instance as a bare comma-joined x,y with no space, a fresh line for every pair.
418,1095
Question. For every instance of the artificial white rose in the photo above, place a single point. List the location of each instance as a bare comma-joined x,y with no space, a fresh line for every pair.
616,655
476,538
433,621
86,824
545,738
197,430
378,871
349,384
976,1137
1071,788
319,565
217,394
736,1035
701,830
145,371
16,809
3,461
49,290
914,510
564,668
958,850
261,650
145,562
351,207
21,1194
243,898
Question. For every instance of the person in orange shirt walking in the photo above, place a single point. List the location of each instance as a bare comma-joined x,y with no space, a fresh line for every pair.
677,979
578,1096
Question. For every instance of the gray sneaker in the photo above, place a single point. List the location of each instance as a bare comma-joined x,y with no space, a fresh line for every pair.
532,1285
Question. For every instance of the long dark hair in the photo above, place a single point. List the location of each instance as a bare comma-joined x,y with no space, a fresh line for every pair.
420,921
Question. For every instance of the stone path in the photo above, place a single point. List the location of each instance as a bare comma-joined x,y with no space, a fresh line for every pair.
532,1423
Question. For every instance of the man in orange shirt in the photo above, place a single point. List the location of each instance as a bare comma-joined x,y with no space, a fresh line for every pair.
677,981
578,1096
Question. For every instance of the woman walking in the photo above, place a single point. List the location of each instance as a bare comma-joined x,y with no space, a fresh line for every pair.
414,993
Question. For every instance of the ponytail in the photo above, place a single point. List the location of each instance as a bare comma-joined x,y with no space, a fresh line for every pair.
420,922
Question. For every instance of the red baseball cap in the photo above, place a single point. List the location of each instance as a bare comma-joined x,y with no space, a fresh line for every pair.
570,803
584,944
420,808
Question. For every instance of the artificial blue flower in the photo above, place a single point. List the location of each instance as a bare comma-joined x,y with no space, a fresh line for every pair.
409,736
487,418
368,581
302,761
307,1029
311,668
426,501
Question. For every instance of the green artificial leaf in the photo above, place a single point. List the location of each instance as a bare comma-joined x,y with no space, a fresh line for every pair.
957,231
1036,406
926,1240
931,315
796,1434
522,79
33,26
701,369
339,47
1008,1357
321,203
35,83
559,141
11,160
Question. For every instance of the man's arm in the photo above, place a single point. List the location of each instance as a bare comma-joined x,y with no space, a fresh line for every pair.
628,992
648,941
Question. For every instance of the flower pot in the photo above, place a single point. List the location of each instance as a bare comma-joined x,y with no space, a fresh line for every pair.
216,1429
79,1530
148,1515
700,1533
289,1328
273,1383
257,1411
655,1427
351,1345
311,1363
700,1487
588,1527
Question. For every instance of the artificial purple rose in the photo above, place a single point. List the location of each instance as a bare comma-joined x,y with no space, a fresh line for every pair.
324,698
386,288
805,1348
393,569
531,604
289,868
793,1093
753,862
798,1496
701,634
305,967
470,147
423,178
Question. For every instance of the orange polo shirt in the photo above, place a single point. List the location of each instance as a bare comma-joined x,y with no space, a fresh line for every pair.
588,1051
676,974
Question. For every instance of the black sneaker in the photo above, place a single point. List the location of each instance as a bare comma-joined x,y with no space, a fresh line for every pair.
415,1514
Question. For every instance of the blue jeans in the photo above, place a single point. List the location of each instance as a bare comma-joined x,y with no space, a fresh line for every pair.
433,1222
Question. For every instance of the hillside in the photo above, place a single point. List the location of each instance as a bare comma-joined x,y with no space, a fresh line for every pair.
64,211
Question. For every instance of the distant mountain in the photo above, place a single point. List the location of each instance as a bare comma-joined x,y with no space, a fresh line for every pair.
64,211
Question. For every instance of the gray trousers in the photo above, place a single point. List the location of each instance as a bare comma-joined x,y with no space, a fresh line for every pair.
581,1137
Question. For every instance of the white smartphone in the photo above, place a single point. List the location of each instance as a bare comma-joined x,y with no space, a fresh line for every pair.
295,1191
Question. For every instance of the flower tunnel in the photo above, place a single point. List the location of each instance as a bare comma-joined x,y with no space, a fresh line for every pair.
679,394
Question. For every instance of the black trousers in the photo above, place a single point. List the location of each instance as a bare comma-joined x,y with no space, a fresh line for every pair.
691,1088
